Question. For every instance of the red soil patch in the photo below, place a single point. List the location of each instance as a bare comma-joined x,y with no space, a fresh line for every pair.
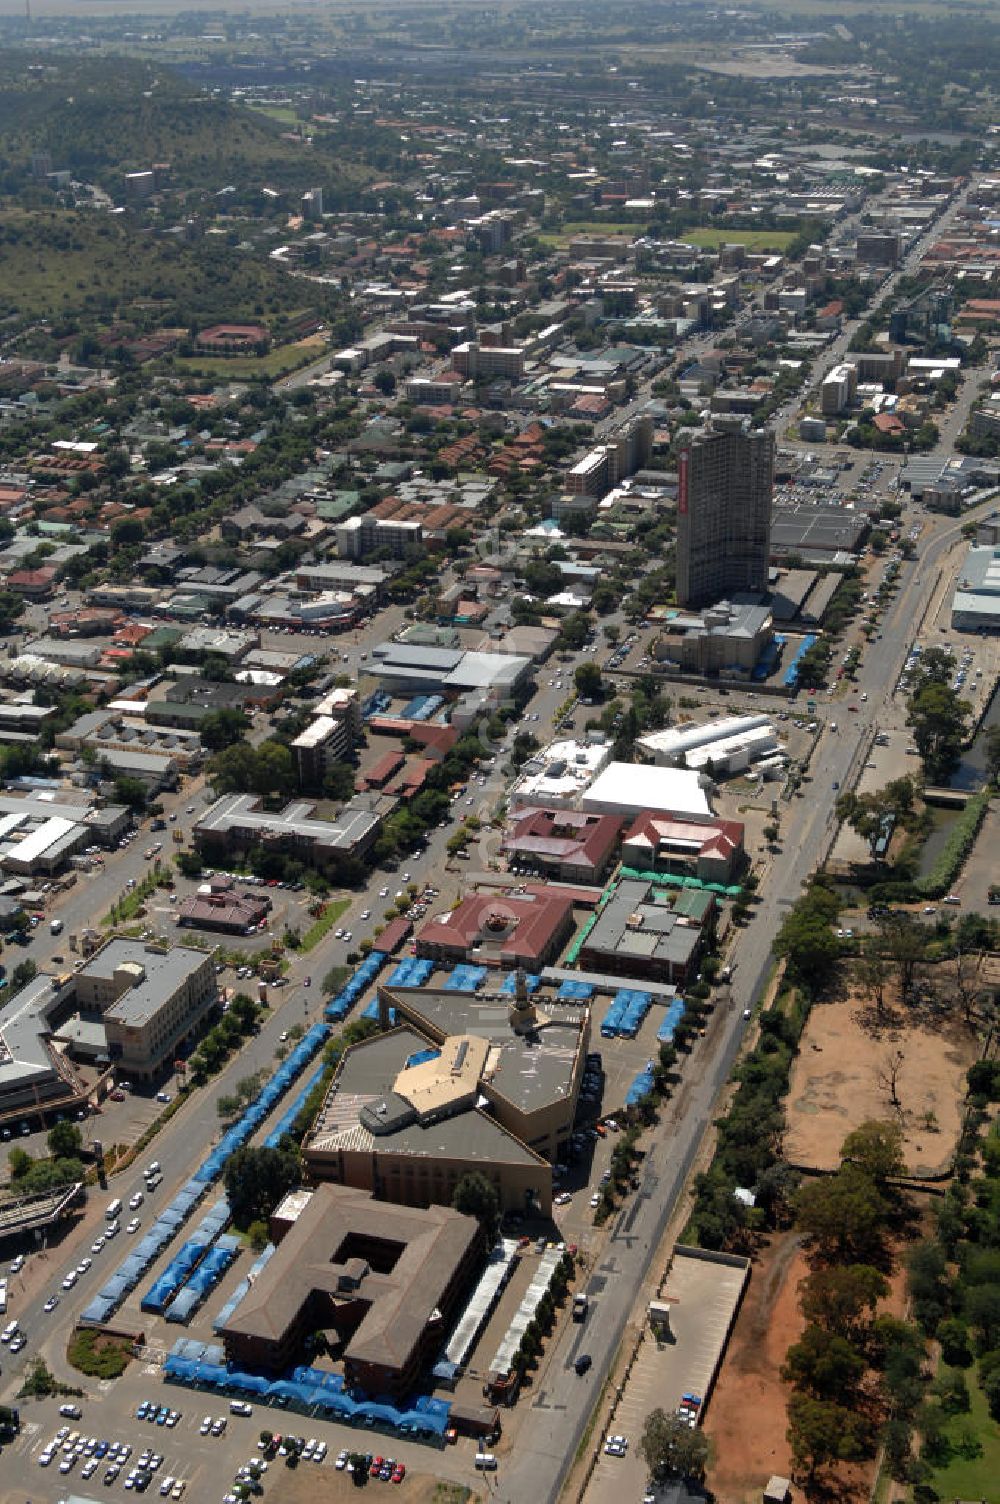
746,1420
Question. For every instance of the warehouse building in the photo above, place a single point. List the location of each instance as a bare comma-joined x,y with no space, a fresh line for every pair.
627,789
975,606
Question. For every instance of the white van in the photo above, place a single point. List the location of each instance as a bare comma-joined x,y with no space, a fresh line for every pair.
114,1211
486,1462
8,1331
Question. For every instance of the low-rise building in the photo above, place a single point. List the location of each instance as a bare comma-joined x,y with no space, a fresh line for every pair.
500,929
712,851
649,933
151,1000
556,776
975,606
386,1279
220,905
727,639
460,1083
566,844
236,823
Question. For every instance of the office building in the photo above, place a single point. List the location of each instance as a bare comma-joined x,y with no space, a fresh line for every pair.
461,1082
151,1001
236,824
725,479
387,1279
329,738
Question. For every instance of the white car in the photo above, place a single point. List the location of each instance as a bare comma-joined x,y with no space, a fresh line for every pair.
341,1461
70,1280
206,1425
132,1226
97,1245
136,1201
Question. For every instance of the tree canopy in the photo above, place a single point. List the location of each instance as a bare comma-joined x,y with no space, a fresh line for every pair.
670,1448
256,1180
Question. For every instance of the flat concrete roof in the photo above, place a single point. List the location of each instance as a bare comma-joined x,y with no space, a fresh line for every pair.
163,972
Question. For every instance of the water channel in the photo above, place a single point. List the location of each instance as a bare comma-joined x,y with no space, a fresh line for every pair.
968,776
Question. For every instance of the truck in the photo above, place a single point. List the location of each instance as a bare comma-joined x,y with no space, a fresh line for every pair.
581,1305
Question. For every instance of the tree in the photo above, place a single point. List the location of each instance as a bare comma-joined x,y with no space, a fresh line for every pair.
670,1448
876,1148
222,728
871,814
843,1216
843,1298
825,1365
807,939
820,1431
338,782
938,718
588,681
904,941
256,1180
991,746
477,1197
65,1141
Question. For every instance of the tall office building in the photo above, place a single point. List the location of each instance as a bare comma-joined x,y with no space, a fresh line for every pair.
725,479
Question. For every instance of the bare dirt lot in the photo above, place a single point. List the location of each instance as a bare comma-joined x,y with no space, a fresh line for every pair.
746,1419
841,1077
312,1485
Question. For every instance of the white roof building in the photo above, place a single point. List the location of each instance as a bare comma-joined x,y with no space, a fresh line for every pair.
625,788
557,775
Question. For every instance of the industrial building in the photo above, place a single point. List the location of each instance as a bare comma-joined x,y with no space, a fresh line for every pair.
461,1082
41,830
725,481
722,748
975,606
405,669
818,534
387,1279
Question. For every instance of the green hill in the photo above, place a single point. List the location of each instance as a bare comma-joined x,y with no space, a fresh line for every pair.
63,264
103,117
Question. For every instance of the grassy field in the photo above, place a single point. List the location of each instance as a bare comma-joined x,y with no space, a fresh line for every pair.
325,924
971,1477
277,362
285,115
560,238
710,237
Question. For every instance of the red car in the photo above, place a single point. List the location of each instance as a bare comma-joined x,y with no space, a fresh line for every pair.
376,1467
399,1472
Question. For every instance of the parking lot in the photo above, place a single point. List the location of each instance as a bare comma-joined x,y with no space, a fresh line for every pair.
704,1294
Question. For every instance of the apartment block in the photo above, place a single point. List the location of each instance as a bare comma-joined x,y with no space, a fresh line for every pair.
725,482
